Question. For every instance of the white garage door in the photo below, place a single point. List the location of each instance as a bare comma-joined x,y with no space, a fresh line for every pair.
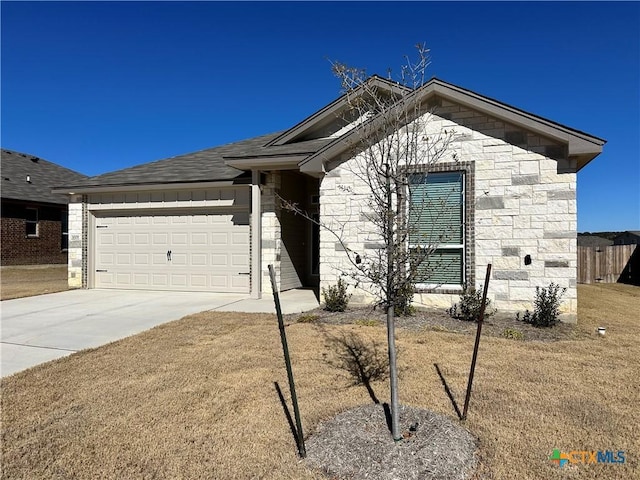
203,251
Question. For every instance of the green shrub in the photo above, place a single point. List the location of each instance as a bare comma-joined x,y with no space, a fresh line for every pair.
468,309
546,310
404,297
513,334
335,297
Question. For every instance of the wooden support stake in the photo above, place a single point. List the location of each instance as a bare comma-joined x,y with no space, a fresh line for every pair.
292,388
467,397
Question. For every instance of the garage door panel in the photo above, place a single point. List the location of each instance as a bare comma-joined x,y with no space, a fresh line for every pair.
219,260
220,282
199,238
123,259
219,238
106,279
106,238
141,259
179,279
123,239
160,239
123,279
106,258
159,259
209,252
240,260
240,239
159,280
178,260
240,282
141,279
179,239
199,259
141,239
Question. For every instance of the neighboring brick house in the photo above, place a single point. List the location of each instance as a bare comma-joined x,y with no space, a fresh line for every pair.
34,220
211,220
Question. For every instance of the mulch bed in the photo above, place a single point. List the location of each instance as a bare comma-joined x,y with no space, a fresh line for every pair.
356,444
440,320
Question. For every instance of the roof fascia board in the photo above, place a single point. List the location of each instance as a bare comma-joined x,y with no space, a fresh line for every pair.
33,202
267,162
333,108
139,187
578,142
314,164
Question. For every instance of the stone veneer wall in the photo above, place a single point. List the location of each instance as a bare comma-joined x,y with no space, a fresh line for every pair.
271,239
77,242
525,204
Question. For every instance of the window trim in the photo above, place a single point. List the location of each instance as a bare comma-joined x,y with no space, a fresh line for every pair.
35,222
467,169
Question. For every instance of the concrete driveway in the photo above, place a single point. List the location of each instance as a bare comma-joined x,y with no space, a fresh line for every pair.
42,328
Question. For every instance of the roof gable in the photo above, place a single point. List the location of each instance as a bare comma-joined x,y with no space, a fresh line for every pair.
580,147
329,120
29,178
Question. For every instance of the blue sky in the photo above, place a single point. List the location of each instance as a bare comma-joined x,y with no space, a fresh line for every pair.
99,86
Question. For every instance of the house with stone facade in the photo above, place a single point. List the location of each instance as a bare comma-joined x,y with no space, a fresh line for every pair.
212,220
34,220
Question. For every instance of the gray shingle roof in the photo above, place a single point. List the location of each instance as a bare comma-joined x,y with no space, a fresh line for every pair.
593,241
43,176
204,165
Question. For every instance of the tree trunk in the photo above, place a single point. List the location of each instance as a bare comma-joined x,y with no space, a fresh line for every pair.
393,374
391,297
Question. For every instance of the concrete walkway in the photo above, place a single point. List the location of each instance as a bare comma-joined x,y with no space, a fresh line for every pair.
42,328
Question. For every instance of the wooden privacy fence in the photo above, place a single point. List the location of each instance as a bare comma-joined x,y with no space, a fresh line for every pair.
612,264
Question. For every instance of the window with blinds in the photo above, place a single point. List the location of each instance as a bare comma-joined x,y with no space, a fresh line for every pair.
436,225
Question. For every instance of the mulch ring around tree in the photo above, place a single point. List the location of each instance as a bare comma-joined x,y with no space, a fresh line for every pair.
357,444
500,324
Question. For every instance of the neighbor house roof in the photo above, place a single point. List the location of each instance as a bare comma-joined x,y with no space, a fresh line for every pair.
29,178
593,241
630,232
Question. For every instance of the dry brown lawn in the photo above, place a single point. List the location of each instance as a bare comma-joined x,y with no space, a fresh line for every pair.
195,398
27,281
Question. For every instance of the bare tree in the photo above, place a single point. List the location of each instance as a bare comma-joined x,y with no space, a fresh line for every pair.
391,150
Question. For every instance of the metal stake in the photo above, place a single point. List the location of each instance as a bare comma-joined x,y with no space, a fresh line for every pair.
292,388
477,344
